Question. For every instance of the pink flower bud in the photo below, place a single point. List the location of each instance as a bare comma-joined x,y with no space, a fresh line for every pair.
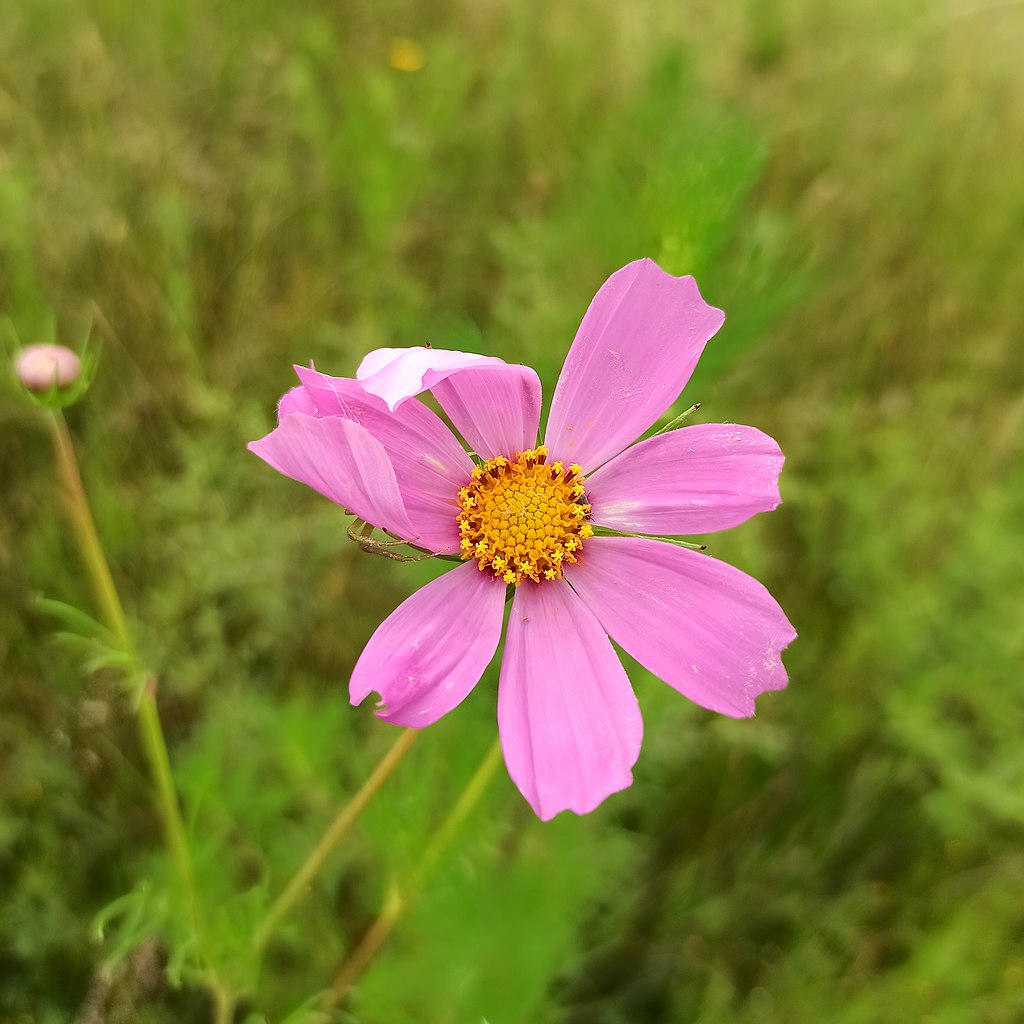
41,367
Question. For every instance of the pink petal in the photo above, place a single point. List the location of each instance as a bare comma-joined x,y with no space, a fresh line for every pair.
429,462
296,400
707,629
342,461
635,350
569,722
416,438
431,650
494,405
495,408
694,480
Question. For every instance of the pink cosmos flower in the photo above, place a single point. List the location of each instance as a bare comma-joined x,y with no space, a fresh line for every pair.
523,518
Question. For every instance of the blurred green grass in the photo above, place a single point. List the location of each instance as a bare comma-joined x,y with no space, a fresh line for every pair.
222,190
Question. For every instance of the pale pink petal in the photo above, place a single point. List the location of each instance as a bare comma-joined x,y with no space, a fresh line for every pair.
431,650
398,374
707,629
635,350
344,462
695,480
569,722
429,462
494,405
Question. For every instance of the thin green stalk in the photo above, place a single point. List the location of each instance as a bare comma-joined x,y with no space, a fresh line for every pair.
396,903
337,830
77,507
600,531
223,1006
167,800
84,528
678,421
470,797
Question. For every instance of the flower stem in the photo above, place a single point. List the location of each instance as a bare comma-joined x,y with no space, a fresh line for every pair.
337,830
77,507
167,800
395,904
470,797
223,1006
84,528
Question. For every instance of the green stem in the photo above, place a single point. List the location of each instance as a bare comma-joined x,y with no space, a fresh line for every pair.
600,531
167,800
84,528
223,1006
470,797
77,507
337,830
678,421
396,903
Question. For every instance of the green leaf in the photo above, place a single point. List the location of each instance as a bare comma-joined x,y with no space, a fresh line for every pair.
75,620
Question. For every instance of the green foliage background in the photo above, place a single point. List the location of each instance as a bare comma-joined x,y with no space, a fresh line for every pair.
224,189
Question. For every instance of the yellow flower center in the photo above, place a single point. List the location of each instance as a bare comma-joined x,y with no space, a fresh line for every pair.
522,518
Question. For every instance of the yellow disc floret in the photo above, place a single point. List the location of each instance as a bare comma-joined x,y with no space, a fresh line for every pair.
522,518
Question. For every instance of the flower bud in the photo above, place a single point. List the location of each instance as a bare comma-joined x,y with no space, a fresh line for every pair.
42,367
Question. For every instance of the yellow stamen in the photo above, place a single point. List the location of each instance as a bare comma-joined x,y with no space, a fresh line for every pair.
521,519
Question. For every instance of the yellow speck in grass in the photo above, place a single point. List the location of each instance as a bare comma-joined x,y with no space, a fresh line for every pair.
405,55
523,519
